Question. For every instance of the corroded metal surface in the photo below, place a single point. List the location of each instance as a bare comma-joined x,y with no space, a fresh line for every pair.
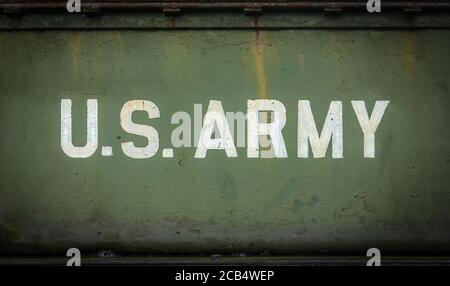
397,201
146,15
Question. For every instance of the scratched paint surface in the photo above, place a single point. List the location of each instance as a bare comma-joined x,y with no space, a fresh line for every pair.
397,201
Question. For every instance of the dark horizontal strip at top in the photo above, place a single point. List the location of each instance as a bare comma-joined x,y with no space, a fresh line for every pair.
260,14
10,6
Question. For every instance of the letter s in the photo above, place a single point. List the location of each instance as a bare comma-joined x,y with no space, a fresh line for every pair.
129,126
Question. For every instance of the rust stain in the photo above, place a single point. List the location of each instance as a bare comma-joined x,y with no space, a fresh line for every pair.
74,49
171,22
258,50
334,45
333,40
409,53
254,21
115,36
8,232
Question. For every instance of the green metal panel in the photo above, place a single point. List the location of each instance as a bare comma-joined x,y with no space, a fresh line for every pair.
398,201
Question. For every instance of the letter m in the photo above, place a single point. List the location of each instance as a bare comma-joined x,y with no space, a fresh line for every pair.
307,131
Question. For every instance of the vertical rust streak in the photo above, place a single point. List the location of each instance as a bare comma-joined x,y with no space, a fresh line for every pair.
74,49
258,50
171,22
409,53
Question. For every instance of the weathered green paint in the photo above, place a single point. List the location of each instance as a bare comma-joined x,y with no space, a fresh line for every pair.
398,201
